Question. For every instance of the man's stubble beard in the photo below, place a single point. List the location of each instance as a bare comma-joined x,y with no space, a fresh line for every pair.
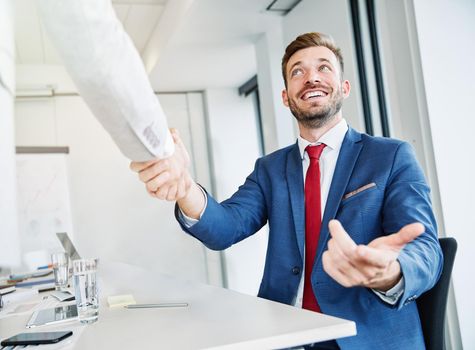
319,118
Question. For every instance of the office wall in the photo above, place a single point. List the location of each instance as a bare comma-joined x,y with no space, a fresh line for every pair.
113,216
43,205
279,127
9,250
446,32
235,148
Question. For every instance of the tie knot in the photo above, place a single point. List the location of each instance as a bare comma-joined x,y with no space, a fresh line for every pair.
314,152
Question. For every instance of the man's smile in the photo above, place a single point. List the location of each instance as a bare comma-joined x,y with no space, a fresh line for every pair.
312,94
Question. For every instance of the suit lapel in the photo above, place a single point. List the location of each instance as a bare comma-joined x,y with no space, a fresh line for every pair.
296,188
349,152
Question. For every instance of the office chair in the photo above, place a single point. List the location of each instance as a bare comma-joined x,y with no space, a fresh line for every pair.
433,303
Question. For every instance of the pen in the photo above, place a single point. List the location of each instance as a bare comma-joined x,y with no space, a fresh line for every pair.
44,267
149,306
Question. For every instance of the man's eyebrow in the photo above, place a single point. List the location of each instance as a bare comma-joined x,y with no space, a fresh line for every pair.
325,60
295,64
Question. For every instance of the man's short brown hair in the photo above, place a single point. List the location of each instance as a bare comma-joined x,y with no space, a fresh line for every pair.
310,40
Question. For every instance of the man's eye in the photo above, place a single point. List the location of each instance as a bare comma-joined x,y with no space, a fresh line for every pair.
296,72
325,69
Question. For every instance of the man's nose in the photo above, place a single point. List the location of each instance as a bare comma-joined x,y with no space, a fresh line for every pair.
313,77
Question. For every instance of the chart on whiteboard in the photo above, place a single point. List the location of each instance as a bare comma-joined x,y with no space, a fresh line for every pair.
43,202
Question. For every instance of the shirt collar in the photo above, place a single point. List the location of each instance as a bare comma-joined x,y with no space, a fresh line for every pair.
333,138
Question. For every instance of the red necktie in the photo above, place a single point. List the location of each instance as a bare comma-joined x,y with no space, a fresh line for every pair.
313,222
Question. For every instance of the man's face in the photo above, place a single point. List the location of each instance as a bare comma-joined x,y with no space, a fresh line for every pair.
315,91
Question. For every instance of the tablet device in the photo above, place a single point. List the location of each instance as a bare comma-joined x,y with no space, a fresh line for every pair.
52,316
36,338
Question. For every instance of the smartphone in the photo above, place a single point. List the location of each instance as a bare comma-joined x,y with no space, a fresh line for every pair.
36,338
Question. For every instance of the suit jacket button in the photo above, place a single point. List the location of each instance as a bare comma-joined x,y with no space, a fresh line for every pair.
296,270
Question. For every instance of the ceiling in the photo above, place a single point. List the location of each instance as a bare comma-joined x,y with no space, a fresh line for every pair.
185,44
215,45
33,46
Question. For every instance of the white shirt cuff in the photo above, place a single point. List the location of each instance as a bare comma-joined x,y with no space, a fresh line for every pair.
169,146
187,221
392,295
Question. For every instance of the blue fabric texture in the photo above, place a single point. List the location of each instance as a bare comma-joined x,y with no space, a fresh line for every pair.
274,193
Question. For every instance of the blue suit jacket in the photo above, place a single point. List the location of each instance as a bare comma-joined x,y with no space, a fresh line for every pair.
274,193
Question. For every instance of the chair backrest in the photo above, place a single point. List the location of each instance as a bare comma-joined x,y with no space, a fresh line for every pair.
433,303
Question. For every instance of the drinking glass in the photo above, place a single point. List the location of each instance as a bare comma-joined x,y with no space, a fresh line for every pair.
60,263
85,289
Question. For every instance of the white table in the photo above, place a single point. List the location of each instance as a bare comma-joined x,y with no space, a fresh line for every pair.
216,318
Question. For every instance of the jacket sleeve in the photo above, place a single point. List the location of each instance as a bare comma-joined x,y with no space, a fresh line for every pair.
407,200
109,74
224,224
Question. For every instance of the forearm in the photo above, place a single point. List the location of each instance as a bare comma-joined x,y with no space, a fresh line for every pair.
193,203
420,260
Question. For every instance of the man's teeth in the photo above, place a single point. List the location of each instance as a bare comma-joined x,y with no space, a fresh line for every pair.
313,94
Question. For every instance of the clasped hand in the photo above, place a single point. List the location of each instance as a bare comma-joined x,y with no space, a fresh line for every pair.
167,178
374,265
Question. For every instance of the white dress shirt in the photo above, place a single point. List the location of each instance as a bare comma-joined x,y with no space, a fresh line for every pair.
109,74
333,140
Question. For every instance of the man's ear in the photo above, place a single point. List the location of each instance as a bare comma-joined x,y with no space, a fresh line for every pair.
285,98
345,88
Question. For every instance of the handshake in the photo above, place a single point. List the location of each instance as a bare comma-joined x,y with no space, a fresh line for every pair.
170,179
166,178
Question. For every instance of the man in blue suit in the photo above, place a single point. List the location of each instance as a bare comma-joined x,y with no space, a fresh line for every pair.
351,228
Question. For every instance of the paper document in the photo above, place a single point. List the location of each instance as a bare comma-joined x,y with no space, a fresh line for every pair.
19,294
109,74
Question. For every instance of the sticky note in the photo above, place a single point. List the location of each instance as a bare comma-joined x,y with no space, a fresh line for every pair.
120,300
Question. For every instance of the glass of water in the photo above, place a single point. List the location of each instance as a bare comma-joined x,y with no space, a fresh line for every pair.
60,262
85,289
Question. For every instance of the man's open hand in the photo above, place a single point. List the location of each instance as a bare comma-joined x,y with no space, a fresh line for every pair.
374,265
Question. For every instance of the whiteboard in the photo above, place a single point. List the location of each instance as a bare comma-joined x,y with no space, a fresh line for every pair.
43,204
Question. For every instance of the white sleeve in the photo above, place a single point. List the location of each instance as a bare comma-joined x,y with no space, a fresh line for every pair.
109,74
392,296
